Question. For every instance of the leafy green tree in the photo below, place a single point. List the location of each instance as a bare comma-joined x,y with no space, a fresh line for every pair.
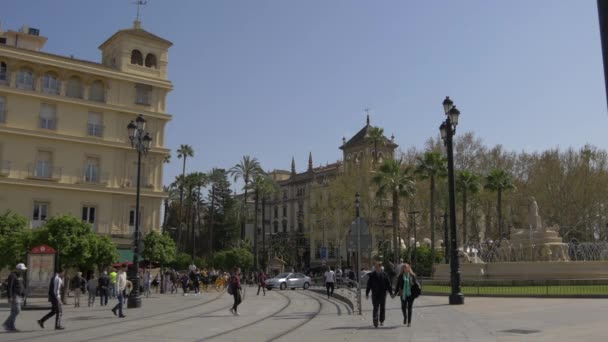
238,257
70,236
498,180
394,179
467,183
182,261
103,253
14,239
224,212
246,169
158,248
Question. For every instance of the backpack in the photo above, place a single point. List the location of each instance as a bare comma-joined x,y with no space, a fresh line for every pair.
416,289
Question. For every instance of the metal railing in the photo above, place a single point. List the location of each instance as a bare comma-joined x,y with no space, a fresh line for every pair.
2,115
522,288
92,177
43,172
5,167
4,77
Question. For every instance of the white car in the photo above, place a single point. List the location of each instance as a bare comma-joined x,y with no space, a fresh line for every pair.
288,280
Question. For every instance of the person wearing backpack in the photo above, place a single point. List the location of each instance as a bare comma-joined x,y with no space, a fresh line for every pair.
234,288
408,289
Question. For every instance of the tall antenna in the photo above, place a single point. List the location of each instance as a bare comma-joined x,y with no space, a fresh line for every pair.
139,4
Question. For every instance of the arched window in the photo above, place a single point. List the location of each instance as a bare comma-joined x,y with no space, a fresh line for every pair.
137,58
25,79
150,61
74,88
3,73
51,84
276,226
97,91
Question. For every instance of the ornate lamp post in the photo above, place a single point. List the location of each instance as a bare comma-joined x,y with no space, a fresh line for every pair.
140,141
448,129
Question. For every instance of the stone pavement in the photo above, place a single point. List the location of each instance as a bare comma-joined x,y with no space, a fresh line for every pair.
307,316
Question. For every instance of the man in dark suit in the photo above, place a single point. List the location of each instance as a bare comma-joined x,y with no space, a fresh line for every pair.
378,283
55,298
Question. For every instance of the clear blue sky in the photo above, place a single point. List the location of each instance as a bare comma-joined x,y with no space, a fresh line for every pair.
276,79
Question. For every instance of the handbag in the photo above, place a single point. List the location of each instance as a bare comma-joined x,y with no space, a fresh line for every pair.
416,289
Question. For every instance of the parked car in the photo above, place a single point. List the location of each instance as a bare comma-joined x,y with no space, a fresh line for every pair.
288,280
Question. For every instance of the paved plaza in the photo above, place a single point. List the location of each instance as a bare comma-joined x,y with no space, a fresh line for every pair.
307,316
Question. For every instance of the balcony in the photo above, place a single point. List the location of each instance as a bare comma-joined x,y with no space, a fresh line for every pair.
44,172
93,177
5,168
4,77
95,130
132,182
2,116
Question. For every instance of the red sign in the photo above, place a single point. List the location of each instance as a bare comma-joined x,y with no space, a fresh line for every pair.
43,249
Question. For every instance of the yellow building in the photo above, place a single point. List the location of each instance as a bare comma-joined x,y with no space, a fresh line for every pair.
64,147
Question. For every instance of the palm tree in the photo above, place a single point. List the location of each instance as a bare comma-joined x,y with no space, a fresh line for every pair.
375,136
246,169
193,184
468,183
394,179
432,165
184,151
499,180
214,177
171,197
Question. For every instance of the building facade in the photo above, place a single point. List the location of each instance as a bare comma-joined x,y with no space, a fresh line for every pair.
64,147
289,220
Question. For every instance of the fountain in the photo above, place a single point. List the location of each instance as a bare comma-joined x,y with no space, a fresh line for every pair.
533,253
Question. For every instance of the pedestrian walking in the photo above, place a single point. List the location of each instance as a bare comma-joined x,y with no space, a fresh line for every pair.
378,283
330,279
121,286
408,289
92,290
197,282
103,284
185,280
113,276
55,298
262,282
147,283
235,287
78,285
15,292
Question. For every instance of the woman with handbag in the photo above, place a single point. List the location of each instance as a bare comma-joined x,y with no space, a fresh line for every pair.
408,289
234,288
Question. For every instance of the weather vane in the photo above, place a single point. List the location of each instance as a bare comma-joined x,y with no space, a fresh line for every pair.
140,3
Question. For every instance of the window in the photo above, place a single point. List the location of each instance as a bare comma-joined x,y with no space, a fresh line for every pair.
137,57
44,164
47,116
25,79
276,227
2,109
142,94
50,84
88,214
97,92
74,88
91,171
3,40
150,61
132,219
276,212
284,226
94,125
39,214
3,73
284,211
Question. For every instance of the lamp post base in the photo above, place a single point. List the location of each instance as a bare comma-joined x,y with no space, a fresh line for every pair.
456,299
134,302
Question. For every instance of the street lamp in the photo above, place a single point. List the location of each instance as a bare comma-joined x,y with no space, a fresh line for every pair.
448,129
140,141
413,214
